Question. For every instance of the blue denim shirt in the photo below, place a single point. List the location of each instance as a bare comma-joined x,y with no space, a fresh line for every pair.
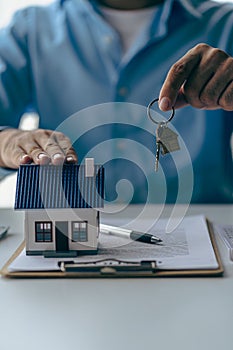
64,59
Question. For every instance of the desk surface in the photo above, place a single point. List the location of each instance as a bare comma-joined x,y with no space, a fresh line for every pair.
175,313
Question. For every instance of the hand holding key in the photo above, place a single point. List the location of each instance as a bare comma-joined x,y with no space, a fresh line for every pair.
202,78
166,139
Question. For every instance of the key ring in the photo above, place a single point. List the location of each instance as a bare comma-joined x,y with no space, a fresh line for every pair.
155,121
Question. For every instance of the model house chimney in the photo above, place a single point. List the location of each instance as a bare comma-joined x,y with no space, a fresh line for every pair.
89,167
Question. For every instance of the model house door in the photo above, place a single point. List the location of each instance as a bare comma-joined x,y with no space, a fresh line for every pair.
61,234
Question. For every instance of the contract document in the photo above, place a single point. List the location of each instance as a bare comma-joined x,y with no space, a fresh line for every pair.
188,247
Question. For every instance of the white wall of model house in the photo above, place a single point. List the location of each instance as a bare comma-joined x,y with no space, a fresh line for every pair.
70,215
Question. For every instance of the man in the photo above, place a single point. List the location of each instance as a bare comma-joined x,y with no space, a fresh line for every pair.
75,54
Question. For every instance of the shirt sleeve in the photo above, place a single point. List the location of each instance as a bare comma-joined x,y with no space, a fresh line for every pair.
5,172
15,79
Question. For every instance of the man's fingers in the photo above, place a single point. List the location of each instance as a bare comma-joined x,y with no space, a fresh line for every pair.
19,157
38,146
25,159
54,151
57,146
202,78
33,150
176,77
205,84
11,153
226,98
217,93
28,142
180,100
71,156
45,148
65,144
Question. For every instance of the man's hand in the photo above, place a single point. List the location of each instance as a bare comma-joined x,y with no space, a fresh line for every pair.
37,146
202,78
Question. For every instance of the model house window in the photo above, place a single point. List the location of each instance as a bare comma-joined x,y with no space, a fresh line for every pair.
43,231
79,231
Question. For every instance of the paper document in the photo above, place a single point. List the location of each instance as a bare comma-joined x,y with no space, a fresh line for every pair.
188,247
226,234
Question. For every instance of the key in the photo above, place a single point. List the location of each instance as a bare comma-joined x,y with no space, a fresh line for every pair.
166,142
168,139
158,144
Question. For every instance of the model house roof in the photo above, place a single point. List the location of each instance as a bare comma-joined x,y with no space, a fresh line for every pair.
67,186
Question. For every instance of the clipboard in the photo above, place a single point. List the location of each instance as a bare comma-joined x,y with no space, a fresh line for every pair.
114,268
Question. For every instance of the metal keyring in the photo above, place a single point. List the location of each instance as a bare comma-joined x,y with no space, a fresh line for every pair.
155,121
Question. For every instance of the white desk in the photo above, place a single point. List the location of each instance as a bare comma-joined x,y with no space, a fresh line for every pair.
94,314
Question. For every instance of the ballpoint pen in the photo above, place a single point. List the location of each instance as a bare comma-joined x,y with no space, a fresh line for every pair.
3,231
127,233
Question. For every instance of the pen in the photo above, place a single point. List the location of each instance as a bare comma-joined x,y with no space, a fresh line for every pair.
136,236
3,231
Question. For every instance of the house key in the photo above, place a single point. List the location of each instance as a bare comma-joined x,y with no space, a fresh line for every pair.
166,139
158,145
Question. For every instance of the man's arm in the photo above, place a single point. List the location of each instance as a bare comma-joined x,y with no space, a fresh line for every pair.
16,87
16,94
202,78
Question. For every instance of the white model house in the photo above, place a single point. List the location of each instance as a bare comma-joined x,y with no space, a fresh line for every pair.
61,207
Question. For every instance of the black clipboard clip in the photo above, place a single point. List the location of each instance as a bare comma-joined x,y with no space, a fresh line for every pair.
109,267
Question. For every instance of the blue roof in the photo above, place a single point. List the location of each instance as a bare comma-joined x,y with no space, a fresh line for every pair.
49,186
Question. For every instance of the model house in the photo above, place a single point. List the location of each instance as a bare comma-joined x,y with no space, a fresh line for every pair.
61,206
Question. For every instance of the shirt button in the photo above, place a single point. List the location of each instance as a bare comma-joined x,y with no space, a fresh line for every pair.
123,91
121,145
108,39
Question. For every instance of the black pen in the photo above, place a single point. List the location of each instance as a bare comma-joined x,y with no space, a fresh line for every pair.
134,235
3,231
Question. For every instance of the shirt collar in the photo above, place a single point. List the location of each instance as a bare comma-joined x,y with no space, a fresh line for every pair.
167,13
165,16
190,6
